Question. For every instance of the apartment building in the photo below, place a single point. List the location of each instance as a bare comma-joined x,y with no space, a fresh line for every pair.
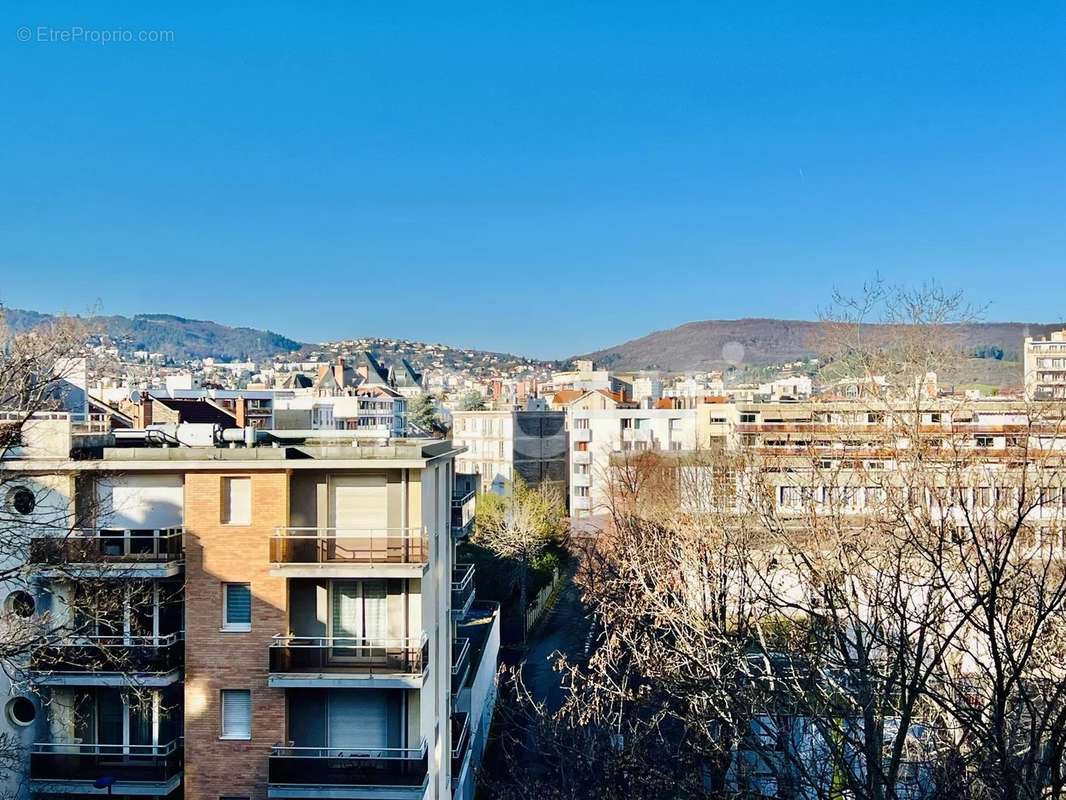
503,445
1045,367
286,618
596,434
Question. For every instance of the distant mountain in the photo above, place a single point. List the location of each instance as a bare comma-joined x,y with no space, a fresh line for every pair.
176,337
716,344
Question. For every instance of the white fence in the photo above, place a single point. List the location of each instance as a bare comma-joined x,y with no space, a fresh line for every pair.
540,602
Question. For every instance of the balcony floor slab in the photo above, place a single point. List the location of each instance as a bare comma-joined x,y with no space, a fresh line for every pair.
297,791
135,788
106,679
325,680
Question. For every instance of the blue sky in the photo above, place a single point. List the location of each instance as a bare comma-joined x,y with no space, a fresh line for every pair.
546,178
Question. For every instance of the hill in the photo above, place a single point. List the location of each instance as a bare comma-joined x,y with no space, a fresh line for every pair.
176,337
718,344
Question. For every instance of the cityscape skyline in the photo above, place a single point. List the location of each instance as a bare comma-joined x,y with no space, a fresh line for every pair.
760,158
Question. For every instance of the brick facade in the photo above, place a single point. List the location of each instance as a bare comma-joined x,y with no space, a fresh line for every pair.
216,660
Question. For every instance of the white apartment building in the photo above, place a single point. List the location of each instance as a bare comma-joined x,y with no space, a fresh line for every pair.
1045,367
378,415
502,445
595,435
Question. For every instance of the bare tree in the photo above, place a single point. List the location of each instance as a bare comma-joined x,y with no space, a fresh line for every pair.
867,601
69,602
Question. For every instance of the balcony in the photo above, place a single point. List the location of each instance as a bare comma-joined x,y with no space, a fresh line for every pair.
349,552
302,772
70,768
464,499
332,662
109,552
462,588
460,742
460,664
581,435
109,661
581,480
581,457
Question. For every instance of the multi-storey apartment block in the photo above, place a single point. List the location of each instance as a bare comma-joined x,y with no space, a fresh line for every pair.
1045,367
597,434
503,445
285,618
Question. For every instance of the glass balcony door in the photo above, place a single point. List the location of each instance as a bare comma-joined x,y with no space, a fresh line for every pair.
359,619
120,726
122,615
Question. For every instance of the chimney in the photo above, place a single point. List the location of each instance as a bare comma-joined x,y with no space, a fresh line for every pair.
338,371
144,417
241,409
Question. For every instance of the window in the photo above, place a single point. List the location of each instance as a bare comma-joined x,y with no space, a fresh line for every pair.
581,491
21,711
236,607
21,500
581,469
985,441
236,501
581,424
20,603
747,418
236,714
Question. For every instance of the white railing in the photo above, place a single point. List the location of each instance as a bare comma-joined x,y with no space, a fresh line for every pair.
354,754
102,543
82,748
119,640
459,657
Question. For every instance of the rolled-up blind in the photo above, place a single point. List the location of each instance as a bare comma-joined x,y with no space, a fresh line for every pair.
236,714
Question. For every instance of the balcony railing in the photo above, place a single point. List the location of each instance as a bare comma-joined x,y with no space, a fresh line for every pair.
460,741
324,766
462,587
349,656
460,663
349,546
461,497
123,546
125,654
143,763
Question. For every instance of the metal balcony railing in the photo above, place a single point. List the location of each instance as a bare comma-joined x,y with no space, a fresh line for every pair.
460,664
349,546
349,656
460,741
125,654
325,766
63,761
461,497
122,546
462,588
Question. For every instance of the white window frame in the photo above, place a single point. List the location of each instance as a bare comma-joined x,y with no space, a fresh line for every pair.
225,495
235,627
222,716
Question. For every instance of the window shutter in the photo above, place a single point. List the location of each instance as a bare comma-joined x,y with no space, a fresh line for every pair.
238,604
236,714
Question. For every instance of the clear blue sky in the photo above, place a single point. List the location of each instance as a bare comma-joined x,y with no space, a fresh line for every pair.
539,177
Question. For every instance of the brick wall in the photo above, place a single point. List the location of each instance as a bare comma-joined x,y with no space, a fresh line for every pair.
216,660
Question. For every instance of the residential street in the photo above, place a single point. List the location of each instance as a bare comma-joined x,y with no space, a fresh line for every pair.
563,630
